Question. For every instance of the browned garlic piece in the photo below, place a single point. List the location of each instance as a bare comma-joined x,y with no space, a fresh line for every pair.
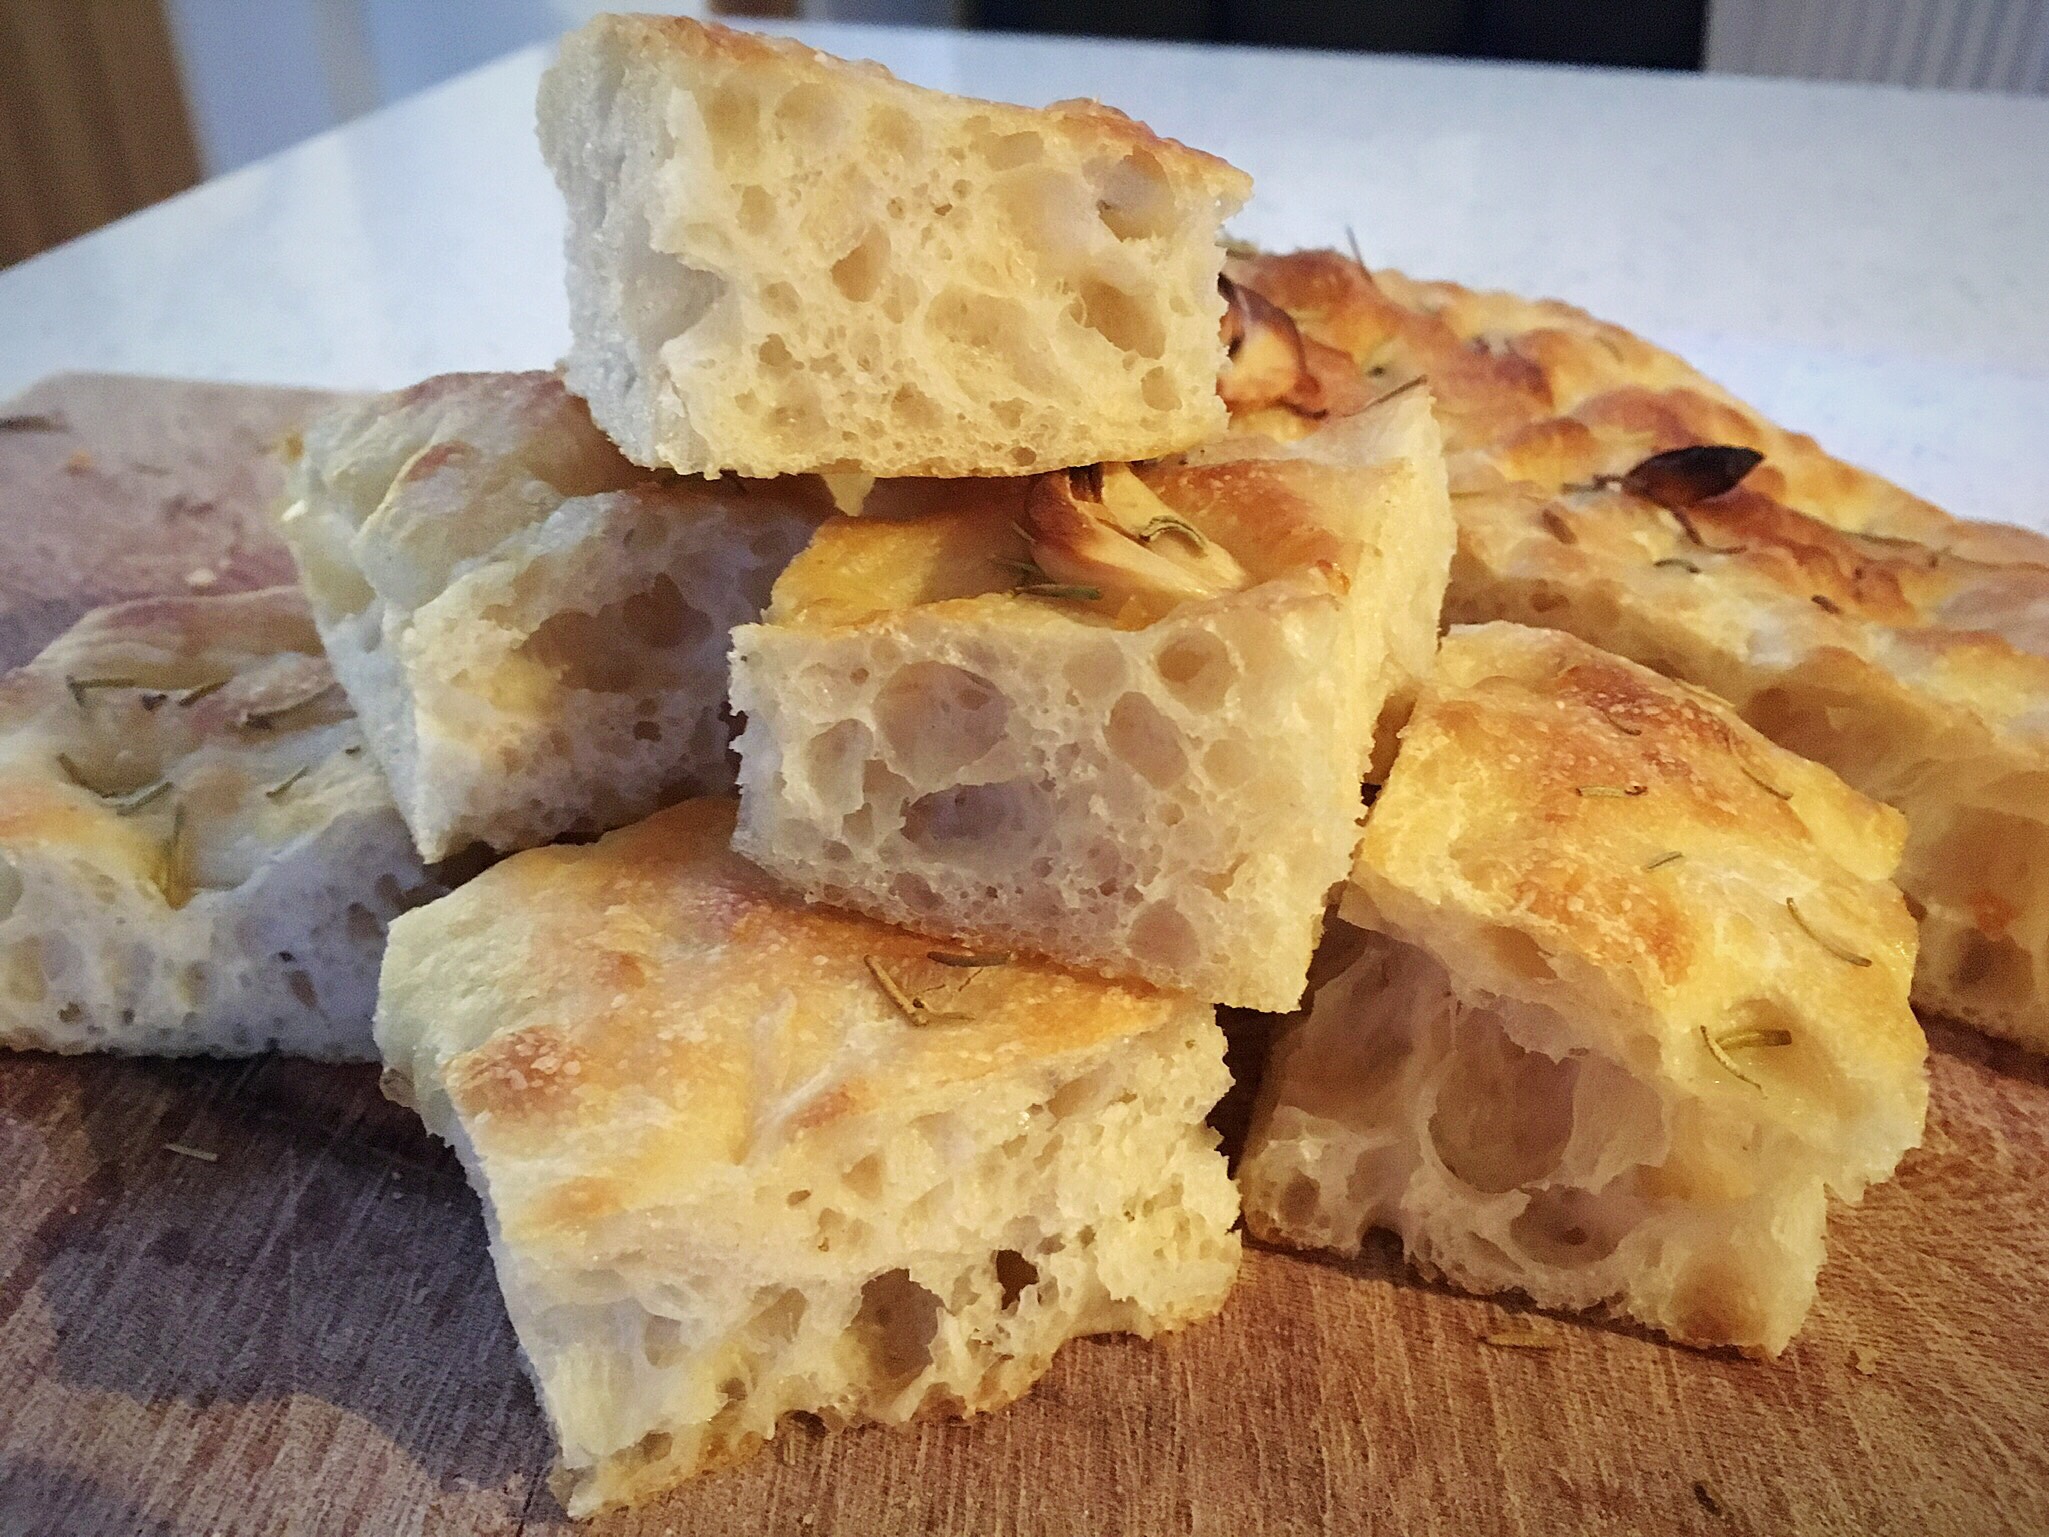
1102,528
1269,362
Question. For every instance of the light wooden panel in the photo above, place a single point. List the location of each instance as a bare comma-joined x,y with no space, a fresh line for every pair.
92,118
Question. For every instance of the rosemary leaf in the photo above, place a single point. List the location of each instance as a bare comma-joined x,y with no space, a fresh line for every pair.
1073,590
1763,783
278,791
1558,528
80,687
1167,523
127,806
1728,1062
1663,860
32,421
909,1006
1520,1339
263,720
1826,943
174,873
1399,389
1613,792
1755,1037
194,695
1674,562
186,1150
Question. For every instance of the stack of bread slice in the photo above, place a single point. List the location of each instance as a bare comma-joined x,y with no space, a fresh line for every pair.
938,639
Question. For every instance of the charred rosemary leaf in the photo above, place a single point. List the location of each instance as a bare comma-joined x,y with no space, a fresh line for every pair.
1679,477
1838,951
1826,604
1556,525
1674,562
1663,860
969,957
1612,792
32,421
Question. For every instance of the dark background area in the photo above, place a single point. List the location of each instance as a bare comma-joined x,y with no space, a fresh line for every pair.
1665,34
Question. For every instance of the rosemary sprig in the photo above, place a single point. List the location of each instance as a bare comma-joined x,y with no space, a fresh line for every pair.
1612,792
1838,951
969,958
1671,858
908,1004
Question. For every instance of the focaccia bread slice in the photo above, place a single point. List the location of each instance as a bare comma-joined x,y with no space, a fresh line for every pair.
533,630
1597,492
1116,717
1618,998
741,1157
783,262
197,856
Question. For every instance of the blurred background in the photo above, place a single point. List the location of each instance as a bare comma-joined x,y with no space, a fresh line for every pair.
107,106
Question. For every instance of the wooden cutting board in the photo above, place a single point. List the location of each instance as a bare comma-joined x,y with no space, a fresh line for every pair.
299,1335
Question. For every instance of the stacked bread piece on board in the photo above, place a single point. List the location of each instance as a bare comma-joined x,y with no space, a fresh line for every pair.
936,641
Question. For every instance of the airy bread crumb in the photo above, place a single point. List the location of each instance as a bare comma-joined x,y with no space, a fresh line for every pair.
729,1176
533,630
782,262
1135,751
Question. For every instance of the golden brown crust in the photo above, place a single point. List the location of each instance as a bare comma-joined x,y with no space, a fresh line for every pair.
1545,787
660,970
708,40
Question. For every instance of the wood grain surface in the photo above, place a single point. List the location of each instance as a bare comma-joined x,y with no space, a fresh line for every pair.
299,1335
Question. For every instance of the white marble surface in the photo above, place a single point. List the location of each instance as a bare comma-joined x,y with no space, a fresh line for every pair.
1868,264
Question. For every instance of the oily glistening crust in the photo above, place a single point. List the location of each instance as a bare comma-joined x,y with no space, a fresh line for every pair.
1847,619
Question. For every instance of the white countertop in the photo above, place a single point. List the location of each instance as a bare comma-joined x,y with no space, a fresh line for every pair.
1868,264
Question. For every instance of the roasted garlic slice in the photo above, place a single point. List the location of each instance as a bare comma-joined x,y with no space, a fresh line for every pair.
1102,528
